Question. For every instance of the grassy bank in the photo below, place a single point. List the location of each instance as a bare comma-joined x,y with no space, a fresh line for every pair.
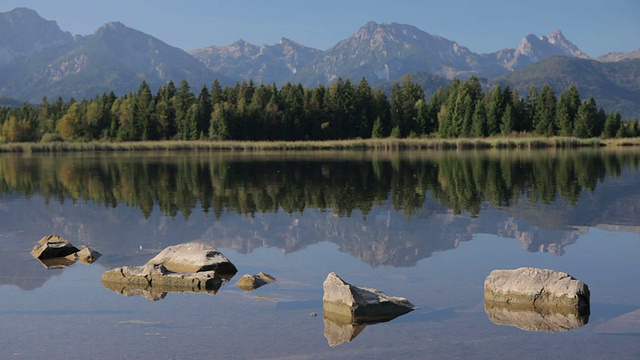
373,144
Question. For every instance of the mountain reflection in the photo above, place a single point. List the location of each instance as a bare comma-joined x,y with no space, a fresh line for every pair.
384,208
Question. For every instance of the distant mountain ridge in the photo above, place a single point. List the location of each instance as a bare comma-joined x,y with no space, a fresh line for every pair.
266,63
39,59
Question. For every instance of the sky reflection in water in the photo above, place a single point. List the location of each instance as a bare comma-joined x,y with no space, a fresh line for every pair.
414,236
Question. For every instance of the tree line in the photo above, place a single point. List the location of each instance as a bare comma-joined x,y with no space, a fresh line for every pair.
343,110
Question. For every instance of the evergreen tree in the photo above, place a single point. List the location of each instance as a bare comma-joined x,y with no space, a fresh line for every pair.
377,131
495,110
478,126
507,125
184,98
585,119
530,105
568,104
545,112
612,125
203,116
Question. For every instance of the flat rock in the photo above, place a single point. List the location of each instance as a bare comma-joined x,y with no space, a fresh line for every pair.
536,287
192,258
535,319
86,256
251,282
159,279
358,304
53,246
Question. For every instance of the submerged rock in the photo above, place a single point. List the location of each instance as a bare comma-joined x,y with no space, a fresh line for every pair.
53,246
193,257
531,318
55,252
541,288
251,282
356,304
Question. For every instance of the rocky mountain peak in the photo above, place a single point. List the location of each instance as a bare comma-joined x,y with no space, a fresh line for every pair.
533,49
114,25
25,33
558,39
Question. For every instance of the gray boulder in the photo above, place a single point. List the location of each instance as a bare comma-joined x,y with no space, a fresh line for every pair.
356,304
541,288
55,252
53,246
251,282
158,279
193,257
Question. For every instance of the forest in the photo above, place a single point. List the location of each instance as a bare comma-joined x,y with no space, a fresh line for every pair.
343,110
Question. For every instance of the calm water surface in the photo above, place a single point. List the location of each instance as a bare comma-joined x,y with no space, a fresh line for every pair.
429,226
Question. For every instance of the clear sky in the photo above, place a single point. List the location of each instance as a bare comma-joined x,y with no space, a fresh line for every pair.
595,26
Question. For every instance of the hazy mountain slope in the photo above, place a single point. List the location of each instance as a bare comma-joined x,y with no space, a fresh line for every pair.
266,63
615,86
114,58
619,56
24,33
382,52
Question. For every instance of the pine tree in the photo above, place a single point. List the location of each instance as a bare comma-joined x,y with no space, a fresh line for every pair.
568,104
495,110
478,127
585,119
377,131
545,112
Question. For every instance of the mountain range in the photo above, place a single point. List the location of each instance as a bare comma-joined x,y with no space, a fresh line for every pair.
39,59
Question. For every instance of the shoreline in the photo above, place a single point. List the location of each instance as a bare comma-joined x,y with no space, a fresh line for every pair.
387,144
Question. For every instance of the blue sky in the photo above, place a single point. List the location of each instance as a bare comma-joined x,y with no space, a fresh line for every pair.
595,26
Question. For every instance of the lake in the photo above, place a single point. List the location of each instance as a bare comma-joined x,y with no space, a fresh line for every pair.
429,226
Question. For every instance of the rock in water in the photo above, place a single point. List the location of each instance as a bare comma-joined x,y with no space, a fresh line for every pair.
358,304
159,279
541,288
193,257
53,246
251,282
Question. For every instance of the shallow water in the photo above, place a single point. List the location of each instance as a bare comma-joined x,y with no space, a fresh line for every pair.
426,226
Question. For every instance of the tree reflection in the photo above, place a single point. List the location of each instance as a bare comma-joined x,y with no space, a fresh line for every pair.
217,182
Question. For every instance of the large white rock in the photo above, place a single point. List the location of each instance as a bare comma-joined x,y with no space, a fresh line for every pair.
361,304
193,257
536,287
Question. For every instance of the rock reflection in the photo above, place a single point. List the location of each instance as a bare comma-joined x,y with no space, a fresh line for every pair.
531,318
340,329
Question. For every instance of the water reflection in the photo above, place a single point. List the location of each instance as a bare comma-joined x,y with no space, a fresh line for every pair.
535,319
382,208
